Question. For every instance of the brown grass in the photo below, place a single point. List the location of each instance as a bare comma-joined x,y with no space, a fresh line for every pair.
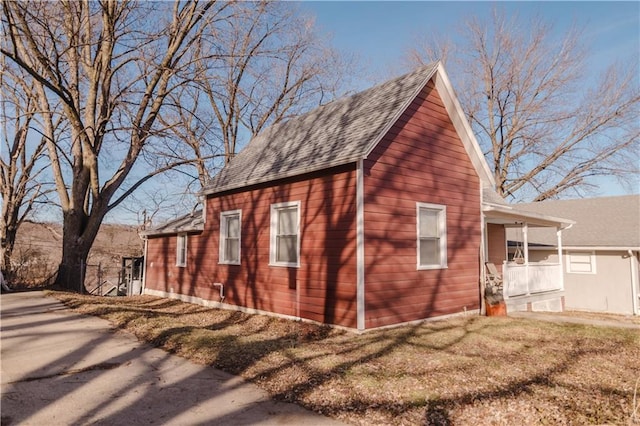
465,370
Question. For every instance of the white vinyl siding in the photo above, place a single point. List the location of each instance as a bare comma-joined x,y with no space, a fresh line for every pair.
181,250
230,226
285,234
581,262
432,236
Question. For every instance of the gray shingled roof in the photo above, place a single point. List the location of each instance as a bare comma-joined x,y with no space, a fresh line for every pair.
338,133
491,196
192,222
600,222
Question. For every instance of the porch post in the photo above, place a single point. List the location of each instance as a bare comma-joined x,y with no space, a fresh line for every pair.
560,260
525,242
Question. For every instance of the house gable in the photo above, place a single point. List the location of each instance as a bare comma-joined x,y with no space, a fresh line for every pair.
341,132
421,160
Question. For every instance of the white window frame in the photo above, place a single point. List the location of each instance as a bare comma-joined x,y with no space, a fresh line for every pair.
275,208
224,216
181,244
592,262
442,230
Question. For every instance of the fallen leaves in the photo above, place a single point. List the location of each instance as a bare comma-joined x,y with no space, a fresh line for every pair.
466,370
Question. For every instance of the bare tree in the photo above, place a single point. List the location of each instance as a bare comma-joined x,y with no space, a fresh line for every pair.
546,130
111,65
22,160
266,65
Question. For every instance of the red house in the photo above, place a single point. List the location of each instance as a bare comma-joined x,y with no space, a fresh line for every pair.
365,212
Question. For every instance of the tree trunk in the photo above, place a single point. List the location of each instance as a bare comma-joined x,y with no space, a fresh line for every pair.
8,231
71,274
78,235
8,238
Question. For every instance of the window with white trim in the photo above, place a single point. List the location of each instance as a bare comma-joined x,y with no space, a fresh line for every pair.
581,262
432,236
230,237
284,247
181,250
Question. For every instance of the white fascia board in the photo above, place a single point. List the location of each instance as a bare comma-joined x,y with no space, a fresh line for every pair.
529,217
601,248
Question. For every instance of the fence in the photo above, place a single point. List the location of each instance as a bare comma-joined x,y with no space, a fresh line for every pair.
102,279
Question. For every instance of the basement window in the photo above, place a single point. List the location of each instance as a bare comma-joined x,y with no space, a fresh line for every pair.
432,236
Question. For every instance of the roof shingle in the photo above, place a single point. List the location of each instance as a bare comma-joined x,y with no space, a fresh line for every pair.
600,222
338,133
192,222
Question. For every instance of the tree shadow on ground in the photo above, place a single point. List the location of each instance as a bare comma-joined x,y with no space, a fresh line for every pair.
295,361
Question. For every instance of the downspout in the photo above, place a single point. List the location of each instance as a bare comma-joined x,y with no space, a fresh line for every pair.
525,243
360,269
560,258
144,266
634,281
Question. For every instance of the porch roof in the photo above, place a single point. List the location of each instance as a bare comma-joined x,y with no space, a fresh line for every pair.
192,222
505,214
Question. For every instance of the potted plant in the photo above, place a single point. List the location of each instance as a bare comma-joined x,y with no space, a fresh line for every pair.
494,298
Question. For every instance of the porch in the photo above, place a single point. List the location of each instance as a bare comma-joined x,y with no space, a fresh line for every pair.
529,283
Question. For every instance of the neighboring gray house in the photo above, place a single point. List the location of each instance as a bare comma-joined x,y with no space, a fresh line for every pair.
600,251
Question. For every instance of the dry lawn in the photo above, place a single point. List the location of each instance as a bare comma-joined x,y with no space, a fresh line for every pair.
467,370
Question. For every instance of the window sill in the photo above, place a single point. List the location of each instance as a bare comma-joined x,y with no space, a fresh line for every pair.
431,267
285,265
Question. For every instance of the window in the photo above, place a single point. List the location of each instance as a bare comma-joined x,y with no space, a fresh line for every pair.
581,263
432,236
230,237
181,250
285,230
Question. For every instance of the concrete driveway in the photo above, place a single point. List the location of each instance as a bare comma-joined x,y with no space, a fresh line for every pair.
60,368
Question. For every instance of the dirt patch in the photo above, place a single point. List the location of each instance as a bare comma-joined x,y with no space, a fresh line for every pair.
465,370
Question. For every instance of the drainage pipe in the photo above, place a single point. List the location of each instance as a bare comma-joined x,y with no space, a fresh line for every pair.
634,281
221,290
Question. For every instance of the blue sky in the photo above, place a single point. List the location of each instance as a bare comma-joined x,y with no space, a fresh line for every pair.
380,32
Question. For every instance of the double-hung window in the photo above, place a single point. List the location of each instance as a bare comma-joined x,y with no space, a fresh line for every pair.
181,250
432,236
230,237
285,234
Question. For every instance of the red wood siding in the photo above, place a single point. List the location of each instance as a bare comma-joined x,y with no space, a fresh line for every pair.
327,274
162,273
421,159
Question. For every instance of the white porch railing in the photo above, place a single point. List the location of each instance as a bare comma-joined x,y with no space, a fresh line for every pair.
531,278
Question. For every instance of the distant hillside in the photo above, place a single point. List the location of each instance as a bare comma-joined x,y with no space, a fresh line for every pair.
38,249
